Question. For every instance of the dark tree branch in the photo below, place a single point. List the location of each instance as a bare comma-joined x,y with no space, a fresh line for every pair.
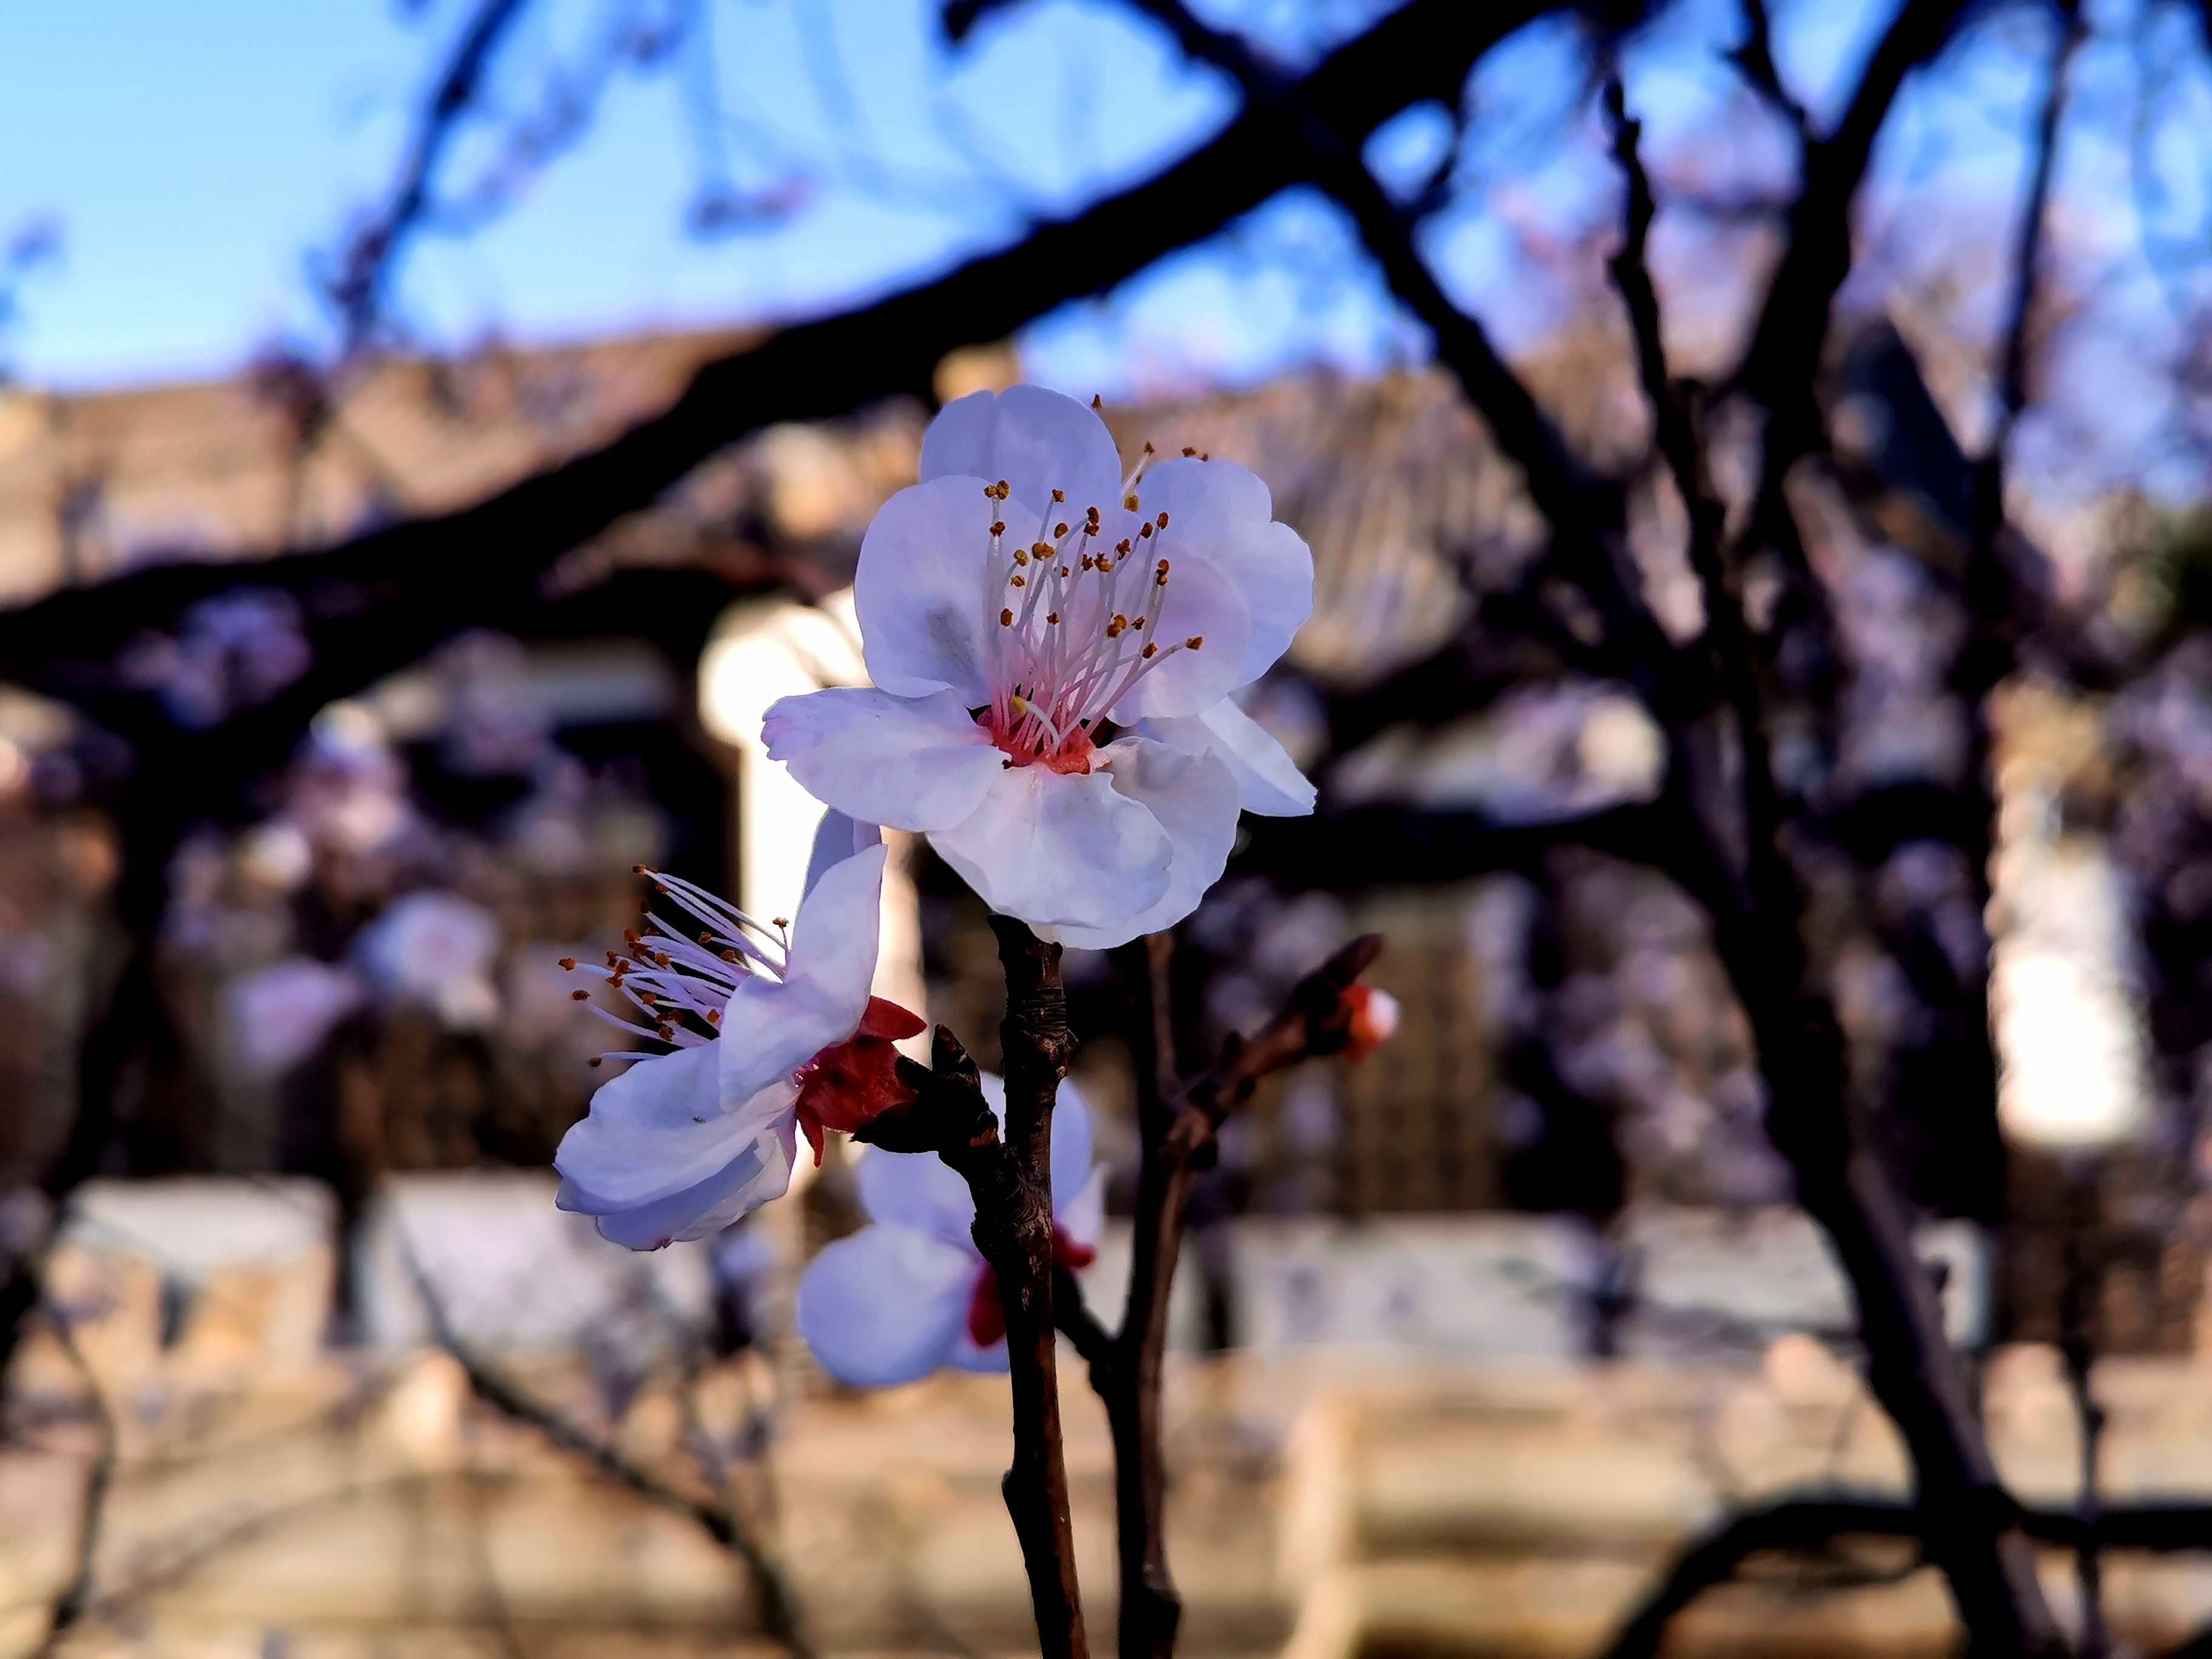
1755,58
1812,1524
1800,1047
1584,509
1017,1237
1011,1180
1316,1020
357,287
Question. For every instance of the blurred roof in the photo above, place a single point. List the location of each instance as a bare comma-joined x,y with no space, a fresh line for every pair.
281,456
1393,481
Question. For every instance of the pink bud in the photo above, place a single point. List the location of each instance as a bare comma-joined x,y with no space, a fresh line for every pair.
1374,1019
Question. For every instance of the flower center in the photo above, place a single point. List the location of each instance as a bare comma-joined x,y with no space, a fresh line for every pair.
849,1084
1074,622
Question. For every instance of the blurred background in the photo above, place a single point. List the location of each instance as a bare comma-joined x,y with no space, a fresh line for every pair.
432,431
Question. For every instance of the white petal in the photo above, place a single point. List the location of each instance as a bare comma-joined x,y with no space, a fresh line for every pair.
1203,604
760,1172
1268,780
1222,512
912,763
884,1306
1083,1216
280,1015
967,1357
1193,799
658,1129
919,591
769,1030
917,1191
1054,849
1071,1144
836,838
1037,441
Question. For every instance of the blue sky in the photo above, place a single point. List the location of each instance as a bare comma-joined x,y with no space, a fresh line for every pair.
196,158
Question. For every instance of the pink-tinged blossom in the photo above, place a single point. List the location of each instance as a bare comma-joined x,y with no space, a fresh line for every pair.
909,1293
280,1015
1054,647
771,1030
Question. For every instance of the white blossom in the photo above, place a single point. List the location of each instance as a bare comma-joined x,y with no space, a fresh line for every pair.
1054,648
909,1293
771,1030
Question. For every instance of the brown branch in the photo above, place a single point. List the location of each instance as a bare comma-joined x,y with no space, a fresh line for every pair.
1585,510
1011,1180
1016,1235
1756,927
1315,1020
776,1606
1812,1524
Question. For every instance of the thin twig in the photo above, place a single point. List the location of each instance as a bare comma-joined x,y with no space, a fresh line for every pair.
778,1608
357,287
1016,1235
1315,1020
75,1598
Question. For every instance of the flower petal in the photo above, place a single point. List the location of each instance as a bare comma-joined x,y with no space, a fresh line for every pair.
1268,780
1222,512
912,763
917,1191
658,1129
919,590
760,1172
1071,1145
883,1307
1037,441
836,838
1192,798
1059,848
769,1030
1203,604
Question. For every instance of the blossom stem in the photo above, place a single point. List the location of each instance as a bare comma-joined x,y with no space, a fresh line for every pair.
1016,1236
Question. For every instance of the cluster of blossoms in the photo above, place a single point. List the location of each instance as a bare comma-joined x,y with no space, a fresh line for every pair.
1054,646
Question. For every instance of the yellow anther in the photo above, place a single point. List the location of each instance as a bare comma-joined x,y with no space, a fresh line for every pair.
1144,532
780,922
1195,641
1059,496
1057,531
1122,546
1021,581
1043,550
1020,558
998,528
1150,649
568,964
1129,502
1162,521
1005,619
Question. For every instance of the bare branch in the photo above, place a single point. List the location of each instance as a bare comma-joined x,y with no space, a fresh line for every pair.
76,1597
778,1608
1755,58
356,288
